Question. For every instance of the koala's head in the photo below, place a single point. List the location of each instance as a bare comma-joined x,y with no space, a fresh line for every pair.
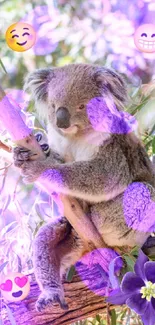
61,94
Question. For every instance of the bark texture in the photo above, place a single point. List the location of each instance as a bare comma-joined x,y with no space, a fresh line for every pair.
83,303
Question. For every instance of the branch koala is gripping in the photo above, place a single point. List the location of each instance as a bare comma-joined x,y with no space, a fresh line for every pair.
94,166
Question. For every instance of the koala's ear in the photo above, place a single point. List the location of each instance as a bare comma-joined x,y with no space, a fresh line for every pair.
37,82
111,83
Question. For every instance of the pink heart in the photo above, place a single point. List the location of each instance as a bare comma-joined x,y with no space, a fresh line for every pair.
6,286
21,281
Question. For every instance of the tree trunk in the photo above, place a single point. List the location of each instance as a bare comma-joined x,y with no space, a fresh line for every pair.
83,303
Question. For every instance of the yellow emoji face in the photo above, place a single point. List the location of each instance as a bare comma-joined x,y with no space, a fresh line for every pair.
20,37
15,287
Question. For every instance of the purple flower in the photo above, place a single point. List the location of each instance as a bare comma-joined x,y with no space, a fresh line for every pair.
98,270
139,209
44,19
137,290
104,117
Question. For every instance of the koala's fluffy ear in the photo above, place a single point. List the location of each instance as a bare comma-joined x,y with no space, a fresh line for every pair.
37,82
111,83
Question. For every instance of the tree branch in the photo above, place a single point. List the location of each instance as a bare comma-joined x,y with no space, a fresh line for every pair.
82,302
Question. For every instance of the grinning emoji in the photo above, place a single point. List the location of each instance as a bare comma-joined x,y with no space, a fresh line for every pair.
20,37
144,38
15,287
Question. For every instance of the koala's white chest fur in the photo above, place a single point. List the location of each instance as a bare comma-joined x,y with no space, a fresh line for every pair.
80,149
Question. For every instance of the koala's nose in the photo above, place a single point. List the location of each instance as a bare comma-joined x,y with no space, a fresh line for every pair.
63,118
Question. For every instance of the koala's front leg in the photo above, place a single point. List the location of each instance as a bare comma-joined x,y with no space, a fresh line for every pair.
92,181
32,169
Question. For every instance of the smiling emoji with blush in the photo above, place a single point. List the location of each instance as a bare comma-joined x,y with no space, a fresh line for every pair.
20,37
15,287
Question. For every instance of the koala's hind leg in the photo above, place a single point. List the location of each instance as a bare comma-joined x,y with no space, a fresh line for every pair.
56,247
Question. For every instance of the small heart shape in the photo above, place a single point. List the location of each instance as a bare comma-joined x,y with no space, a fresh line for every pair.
21,281
6,286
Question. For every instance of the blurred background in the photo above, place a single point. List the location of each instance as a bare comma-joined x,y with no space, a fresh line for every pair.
74,31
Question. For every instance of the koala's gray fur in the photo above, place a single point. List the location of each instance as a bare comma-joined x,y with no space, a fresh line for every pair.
95,167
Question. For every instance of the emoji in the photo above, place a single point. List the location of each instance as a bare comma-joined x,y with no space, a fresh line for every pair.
144,38
20,37
15,287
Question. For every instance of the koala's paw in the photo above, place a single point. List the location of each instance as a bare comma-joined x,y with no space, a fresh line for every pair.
50,297
20,155
30,169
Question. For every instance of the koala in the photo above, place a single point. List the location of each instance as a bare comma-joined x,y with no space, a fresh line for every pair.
94,166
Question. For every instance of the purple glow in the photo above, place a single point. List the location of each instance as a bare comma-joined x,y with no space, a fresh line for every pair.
139,210
18,98
105,117
12,121
44,22
97,270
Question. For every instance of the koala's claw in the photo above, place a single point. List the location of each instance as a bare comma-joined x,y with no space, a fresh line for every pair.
49,298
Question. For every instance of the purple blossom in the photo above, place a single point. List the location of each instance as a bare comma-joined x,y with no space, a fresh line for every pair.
98,270
44,20
137,290
105,117
139,209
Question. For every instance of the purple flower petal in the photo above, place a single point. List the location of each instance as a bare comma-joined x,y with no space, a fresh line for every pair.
137,303
149,269
116,262
148,317
153,302
117,297
139,265
131,283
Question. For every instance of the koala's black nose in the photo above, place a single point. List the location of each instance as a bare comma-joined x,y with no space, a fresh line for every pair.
63,118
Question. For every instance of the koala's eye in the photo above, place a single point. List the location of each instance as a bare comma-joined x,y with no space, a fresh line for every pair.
81,106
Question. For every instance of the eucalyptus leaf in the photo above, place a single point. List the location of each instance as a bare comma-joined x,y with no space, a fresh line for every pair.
7,202
2,266
9,227
70,273
2,65
135,251
113,317
40,224
98,318
39,211
153,145
10,316
19,264
130,263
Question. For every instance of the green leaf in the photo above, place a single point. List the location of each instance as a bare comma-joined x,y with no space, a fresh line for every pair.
98,318
2,65
70,273
10,316
113,317
153,145
40,224
135,251
130,263
2,266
